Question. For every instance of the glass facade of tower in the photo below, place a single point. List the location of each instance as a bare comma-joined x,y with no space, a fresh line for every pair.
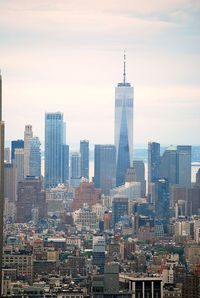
153,161
184,165
75,165
14,145
53,148
35,158
105,167
84,150
123,130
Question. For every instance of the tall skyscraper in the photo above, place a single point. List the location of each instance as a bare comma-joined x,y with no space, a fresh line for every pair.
19,161
138,165
65,164
153,161
10,182
162,199
54,140
168,165
123,127
1,182
84,150
14,145
184,165
35,158
75,165
105,167
28,134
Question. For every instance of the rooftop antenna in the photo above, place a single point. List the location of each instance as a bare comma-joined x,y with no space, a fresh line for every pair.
124,74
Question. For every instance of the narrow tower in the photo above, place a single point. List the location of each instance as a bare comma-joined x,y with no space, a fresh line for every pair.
1,182
123,127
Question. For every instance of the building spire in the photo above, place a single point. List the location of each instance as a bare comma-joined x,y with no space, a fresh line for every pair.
124,74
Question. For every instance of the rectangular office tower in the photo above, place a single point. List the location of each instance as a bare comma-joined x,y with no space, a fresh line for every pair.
54,141
123,128
153,161
184,165
105,167
35,158
84,150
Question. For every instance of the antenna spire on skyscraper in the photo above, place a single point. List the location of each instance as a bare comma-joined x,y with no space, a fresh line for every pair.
124,67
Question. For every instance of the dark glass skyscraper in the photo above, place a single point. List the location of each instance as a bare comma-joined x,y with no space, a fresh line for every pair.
168,165
162,199
14,145
119,208
65,163
54,137
153,161
84,150
123,128
105,167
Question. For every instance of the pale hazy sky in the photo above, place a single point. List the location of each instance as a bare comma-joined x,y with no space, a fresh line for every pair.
67,55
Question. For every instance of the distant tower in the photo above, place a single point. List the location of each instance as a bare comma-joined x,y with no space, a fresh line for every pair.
105,167
75,165
54,140
10,182
123,127
153,161
84,150
184,165
35,158
19,161
65,164
1,182
140,175
168,165
14,145
28,134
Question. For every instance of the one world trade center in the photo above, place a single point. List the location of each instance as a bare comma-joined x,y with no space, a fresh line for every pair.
123,127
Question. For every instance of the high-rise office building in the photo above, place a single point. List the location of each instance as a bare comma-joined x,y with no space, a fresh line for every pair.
10,182
138,165
19,161
54,140
119,208
1,182
28,134
175,165
168,165
153,161
75,165
184,165
123,128
14,145
84,150
162,199
35,158
65,164
105,167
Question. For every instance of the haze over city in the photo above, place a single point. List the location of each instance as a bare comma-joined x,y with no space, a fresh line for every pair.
68,56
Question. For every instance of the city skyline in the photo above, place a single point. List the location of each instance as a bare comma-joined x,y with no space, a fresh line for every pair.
57,49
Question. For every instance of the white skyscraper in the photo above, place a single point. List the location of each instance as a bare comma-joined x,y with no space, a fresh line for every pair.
123,127
28,134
